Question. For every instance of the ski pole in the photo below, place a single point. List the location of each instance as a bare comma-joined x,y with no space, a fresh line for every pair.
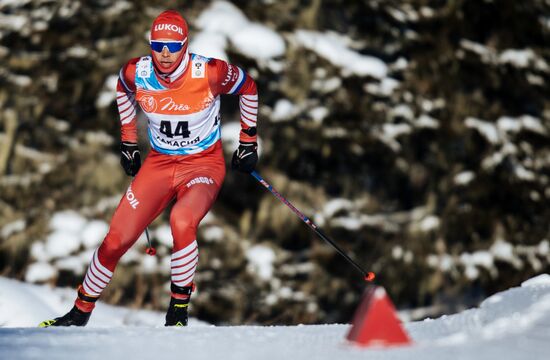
367,276
150,249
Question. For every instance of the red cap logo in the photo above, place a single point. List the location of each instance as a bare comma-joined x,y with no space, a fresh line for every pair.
169,25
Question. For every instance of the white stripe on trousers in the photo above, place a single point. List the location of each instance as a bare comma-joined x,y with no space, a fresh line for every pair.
184,263
97,277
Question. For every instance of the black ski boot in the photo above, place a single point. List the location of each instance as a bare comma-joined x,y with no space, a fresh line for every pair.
177,310
75,317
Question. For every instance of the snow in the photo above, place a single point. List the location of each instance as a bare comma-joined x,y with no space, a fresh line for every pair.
397,252
75,264
69,221
131,256
464,178
430,223
385,88
209,44
38,251
508,124
260,259
503,250
108,93
543,247
12,228
391,131
223,21
486,129
40,271
514,324
518,256
333,206
532,124
283,110
230,136
319,113
19,80
326,86
348,223
13,22
332,47
118,8
26,305
93,233
148,264
222,17
61,243
403,111
478,258
67,10
425,121
258,41
78,51
524,174
541,280
427,12
213,234
163,234
518,58
9,3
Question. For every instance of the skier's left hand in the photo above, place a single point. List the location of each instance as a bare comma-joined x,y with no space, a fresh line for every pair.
245,157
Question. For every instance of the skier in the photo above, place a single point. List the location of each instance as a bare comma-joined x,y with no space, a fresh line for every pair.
179,92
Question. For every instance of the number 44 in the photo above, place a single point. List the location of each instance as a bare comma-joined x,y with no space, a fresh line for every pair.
182,129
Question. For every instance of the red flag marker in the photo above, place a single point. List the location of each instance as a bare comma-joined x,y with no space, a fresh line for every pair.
375,322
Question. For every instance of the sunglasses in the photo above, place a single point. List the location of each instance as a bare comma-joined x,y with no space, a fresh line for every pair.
173,46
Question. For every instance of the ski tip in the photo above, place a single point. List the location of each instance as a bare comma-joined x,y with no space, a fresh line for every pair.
370,276
46,323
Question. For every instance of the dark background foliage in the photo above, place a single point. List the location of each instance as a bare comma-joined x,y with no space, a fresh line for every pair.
456,72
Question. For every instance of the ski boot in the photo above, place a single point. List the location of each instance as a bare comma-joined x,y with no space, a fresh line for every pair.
75,317
179,302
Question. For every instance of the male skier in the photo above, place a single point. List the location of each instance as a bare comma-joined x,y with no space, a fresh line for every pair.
179,92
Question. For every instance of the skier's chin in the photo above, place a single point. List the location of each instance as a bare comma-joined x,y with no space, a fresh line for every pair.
165,65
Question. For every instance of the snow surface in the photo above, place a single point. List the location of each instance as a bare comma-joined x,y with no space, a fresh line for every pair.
514,324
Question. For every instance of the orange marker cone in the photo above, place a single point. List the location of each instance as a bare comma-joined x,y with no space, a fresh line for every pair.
375,322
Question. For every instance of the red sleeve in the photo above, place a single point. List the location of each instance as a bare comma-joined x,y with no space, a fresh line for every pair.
225,78
126,101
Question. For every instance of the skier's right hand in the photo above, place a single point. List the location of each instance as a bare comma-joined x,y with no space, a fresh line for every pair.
130,158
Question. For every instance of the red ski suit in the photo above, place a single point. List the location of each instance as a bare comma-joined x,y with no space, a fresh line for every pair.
186,160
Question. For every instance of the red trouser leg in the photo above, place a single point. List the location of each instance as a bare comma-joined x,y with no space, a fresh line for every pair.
198,183
198,187
144,200
186,214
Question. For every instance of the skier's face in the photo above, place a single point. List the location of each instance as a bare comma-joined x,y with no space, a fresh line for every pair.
165,58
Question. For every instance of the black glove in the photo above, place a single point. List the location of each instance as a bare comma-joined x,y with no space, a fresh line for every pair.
245,157
130,158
